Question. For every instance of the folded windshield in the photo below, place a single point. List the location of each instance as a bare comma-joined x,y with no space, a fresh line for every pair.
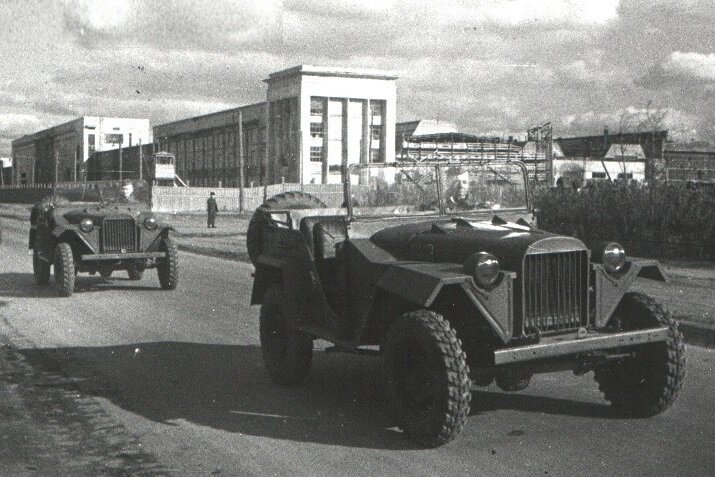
423,189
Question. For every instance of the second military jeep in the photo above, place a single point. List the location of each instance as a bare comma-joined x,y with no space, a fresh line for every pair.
114,233
439,269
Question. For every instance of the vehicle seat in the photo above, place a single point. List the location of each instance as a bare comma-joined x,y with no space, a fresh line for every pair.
307,227
327,234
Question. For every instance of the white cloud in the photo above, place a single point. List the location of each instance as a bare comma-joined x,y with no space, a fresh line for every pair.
100,15
516,12
697,65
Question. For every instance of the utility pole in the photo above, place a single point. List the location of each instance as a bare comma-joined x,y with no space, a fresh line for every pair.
240,160
141,163
120,161
54,178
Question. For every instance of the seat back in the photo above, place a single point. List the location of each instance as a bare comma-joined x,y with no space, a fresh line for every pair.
330,225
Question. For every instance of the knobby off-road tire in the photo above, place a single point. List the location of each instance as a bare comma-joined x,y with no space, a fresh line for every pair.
287,352
40,270
168,267
135,273
648,383
285,201
64,269
427,377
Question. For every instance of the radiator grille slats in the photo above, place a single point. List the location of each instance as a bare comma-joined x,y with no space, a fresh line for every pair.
555,291
118,235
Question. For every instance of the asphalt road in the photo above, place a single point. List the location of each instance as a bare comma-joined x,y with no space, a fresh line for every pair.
180,374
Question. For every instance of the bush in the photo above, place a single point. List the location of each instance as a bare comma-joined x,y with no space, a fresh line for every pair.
665,220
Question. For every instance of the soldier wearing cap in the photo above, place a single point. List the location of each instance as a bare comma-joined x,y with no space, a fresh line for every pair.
212,209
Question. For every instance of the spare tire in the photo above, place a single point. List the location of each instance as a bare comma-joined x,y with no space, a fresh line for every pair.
285,201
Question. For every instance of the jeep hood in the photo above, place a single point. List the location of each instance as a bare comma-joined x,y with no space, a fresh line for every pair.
73,215
454,240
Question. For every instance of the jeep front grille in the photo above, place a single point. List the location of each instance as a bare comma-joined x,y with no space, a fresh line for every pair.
118,235
555,292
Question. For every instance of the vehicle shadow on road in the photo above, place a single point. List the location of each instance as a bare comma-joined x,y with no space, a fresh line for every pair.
22,285
226,387
486,401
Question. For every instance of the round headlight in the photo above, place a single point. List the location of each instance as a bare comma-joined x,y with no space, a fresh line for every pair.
86,225
484,267
614,257
150,223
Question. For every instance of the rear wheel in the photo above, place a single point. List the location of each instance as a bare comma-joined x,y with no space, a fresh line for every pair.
285,201
427,377
40,270
168,267
64,269
647,383
287,352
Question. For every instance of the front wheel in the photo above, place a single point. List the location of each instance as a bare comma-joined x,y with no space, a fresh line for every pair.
427,377
168,267
287,352
64,269
40,270
648,382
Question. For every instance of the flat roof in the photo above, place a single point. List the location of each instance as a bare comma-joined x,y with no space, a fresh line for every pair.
332,71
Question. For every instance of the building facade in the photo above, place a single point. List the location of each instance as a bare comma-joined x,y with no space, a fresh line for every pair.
60,153
316,121
631,156
207,149
690,162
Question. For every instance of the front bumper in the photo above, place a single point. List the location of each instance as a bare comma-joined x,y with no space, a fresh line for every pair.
564,345
122,256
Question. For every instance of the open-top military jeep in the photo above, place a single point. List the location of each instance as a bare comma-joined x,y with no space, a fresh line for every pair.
99,237
437,268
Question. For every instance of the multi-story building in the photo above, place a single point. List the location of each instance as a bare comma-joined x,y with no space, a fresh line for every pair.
60,152
315,123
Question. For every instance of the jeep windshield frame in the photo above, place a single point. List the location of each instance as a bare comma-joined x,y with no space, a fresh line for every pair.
417,189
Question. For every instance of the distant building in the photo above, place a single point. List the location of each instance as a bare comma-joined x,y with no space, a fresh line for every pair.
421,127
630,156
61,151
5,170
686,162
315,123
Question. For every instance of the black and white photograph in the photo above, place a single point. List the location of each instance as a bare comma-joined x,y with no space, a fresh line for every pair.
357,237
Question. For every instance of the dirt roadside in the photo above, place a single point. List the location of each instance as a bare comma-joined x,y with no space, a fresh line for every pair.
47,430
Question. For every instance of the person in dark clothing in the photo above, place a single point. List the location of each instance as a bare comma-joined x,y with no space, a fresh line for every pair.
212,209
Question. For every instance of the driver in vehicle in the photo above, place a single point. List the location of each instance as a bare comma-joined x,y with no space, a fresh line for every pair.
460,198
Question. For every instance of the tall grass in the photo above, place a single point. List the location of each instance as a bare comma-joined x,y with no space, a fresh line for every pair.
664,220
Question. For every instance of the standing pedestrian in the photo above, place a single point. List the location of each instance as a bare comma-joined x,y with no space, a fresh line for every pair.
212,209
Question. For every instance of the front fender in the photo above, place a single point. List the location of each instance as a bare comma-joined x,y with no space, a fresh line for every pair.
422,283
609,289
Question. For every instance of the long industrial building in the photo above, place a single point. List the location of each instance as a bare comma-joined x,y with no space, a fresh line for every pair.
60,152
316,121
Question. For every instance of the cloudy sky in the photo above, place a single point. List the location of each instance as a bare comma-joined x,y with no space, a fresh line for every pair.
490,66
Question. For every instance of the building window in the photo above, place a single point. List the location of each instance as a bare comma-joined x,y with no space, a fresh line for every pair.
598,175
113,138
317,106
90,139
625,176
316,130
376,132
376,108
316,153
375,155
